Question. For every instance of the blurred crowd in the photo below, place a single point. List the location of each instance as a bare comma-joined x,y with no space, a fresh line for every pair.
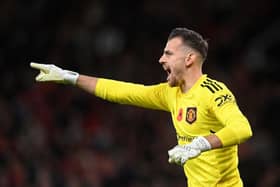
59,136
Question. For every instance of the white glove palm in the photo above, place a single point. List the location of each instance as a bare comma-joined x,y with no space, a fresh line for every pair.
50,72
181,153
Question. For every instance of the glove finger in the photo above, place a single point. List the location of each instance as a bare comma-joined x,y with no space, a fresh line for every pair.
183,160
42,67
171,152
41,76
177,160
174,150
170,160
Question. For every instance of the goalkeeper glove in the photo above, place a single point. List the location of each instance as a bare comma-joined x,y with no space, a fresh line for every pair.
181,153
50,72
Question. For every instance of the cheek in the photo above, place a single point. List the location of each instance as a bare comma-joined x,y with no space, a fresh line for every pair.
179,68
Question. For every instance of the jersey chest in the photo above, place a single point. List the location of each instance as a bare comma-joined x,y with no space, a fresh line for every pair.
191,117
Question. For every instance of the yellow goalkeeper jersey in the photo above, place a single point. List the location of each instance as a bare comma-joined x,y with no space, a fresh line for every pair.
208,107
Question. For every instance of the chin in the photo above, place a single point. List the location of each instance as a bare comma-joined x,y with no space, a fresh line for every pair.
172,84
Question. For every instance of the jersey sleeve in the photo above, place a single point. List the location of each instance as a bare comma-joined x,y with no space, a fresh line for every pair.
236,126
152,97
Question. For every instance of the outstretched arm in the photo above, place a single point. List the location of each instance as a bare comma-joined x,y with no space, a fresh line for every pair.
153,97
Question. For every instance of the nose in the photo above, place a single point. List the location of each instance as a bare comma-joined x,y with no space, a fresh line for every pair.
161,60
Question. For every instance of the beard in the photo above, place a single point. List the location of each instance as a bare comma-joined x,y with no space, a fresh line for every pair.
172,81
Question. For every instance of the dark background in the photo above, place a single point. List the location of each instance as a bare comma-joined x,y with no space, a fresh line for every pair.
59,136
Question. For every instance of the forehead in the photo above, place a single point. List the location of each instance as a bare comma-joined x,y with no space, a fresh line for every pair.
174,43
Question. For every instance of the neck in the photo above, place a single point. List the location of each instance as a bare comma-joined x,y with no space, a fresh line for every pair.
189,80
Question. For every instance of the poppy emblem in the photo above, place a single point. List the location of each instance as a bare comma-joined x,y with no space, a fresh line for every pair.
180,114
191,114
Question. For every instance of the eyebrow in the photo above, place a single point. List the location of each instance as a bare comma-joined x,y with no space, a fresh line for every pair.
168,52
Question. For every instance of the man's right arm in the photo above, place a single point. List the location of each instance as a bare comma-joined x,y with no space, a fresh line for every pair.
153,97
87,83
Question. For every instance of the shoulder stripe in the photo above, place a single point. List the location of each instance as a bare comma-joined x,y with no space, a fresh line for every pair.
212,86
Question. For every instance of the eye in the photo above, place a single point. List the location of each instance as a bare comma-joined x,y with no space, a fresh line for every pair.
167,53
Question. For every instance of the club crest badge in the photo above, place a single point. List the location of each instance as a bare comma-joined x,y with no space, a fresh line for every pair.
191,114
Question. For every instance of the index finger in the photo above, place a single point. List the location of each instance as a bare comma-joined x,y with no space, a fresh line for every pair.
43,67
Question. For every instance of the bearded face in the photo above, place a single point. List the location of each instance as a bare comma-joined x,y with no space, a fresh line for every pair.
173,61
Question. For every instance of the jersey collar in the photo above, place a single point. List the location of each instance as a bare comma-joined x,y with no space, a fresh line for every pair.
196,84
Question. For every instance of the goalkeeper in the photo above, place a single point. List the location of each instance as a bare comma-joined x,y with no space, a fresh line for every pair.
207,120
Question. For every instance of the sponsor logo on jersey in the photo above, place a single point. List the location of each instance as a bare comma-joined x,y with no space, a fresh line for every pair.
221,100
191,114
185,138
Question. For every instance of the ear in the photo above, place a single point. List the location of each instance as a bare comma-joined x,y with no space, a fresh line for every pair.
189,59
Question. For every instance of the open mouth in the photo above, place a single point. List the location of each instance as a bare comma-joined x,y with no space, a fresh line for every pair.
168,71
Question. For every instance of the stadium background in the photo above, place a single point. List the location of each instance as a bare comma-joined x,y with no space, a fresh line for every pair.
59,136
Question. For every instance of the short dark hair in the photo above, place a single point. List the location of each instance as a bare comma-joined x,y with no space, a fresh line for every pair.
191,39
